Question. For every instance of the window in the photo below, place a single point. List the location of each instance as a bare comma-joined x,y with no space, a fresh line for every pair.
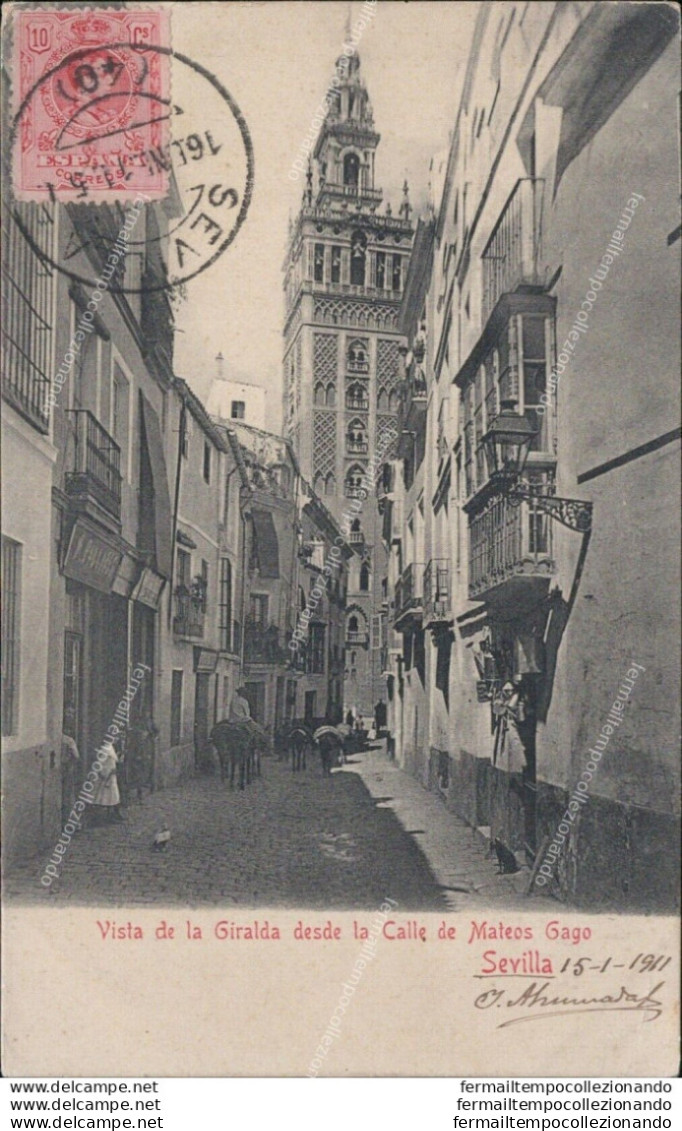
351,169
396,282
356,396
318,262
358,247
478,427
320,394
207,462
364,577
336,265
381,269
353,624
357,360
176,707
225,606
204,586
330,484
259,608
376,632
316,649
27,312
354,488
330,399
535,377
11,577
238,410
119,413
184,568
356,437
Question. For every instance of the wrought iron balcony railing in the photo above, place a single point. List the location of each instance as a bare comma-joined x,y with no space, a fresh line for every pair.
508,540
264,643
437,596
408,592
357,447
96,469
357,404
512,256
189,618
356,637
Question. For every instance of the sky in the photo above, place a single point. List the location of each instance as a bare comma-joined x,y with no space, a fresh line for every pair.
276,59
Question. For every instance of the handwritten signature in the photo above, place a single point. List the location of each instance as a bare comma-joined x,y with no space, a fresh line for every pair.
539,996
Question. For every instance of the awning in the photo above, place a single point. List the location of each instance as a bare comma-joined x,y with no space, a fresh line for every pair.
266,544
162,504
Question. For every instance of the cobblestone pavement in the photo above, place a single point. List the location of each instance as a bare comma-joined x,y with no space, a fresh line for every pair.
288,840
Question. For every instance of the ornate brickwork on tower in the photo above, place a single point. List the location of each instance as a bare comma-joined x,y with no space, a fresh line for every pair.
344,275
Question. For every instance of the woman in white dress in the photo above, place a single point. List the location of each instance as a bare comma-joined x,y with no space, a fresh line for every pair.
106,794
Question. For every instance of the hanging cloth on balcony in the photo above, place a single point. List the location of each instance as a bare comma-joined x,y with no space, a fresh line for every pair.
162,504
266,544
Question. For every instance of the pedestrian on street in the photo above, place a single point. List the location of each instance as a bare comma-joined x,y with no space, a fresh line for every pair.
239,707
349,718
70,765
140,759
106,794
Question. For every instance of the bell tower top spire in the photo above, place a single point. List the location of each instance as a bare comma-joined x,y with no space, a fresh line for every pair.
345,148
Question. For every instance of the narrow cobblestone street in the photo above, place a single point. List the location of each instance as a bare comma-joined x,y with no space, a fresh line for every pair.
289,840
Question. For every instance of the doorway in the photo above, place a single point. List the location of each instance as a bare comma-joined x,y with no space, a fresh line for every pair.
201,716
310,706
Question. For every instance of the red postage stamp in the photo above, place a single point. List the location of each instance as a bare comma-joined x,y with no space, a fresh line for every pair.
92,104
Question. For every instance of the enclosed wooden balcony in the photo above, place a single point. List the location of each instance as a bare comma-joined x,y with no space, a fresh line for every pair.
511,259
510,552
437,596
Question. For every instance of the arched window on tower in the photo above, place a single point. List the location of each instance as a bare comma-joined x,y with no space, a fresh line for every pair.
354,483
351,169
382,401
356,357
353,624
320,394
330,484
356,437
364,577
358,248
356,396
331,395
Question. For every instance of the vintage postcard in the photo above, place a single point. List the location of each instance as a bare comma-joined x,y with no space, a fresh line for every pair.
340,539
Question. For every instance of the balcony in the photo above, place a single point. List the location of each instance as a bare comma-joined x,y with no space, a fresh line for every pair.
189,615
95,474
264,643
357,404
437,597
354,638
512,256
357,447
356,538
510,553
408,596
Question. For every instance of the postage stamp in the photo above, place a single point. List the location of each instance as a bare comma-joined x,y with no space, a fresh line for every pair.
92,102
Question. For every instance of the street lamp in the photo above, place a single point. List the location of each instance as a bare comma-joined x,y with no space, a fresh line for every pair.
507,443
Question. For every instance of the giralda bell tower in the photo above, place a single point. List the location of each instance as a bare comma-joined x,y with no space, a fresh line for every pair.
345,271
